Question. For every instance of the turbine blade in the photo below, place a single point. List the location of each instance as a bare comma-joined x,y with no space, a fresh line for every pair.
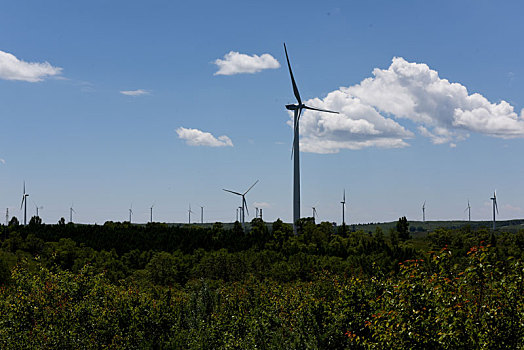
320,110
244,204
295,89
496,206
232,192
249,189
295,139
22,204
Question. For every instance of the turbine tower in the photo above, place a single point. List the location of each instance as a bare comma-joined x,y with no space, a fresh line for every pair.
151,213
37,208
424,212
243,208
71,211
343,208
468,208
201,215
189,212
24,204
495,207
315,215
130,213
295,152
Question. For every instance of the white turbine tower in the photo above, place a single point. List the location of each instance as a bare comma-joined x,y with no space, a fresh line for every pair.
468,208
424,212
189,212
495,207
243,208
24,204
71,211
295,152
201,215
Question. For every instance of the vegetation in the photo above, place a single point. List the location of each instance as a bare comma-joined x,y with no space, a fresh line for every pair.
190,287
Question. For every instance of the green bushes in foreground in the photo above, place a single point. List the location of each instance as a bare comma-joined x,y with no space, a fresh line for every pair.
432,303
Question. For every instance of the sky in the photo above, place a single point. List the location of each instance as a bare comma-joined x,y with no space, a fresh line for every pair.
112,105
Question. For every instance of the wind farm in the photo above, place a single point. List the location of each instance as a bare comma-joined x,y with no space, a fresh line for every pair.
364,144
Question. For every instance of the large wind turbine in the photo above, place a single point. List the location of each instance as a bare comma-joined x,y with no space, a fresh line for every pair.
295,152
424,212
24,204
244,203
468,208
494,199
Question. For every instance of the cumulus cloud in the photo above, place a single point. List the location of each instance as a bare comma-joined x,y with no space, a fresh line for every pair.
370,112
137,92
2,161
237,63
195,137
263,205
11,68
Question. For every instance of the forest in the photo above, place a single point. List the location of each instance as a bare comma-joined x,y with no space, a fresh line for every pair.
121,285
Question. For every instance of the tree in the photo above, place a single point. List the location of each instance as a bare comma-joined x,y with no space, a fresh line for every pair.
61,222
403,228
14,222
35,220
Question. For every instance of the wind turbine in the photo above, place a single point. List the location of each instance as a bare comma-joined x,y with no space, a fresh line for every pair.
151,212
24,204
201,215
343,208
244,203
37,208
71,211
494,199
424,212
468,208
130,212
295,152
189,212
314,212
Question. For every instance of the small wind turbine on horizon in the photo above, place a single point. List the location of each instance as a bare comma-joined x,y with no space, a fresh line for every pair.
151,213
424,212
130,212
468,208
295,151
71,211
201,215
24,204
343,208
37,208
495,207
244,203
315,215
189,212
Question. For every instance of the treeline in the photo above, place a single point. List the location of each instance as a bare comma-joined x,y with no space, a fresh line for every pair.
157,286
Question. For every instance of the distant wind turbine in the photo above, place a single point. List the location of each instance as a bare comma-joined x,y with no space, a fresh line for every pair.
130,212
343,208
244,203
201,215
189,212
24,204
37,208
424,212
314,213
71,211
151,213
468,208
495,207
295,152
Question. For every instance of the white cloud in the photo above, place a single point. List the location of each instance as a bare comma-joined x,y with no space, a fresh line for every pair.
2,161
195,137
416,92
11,68
357,126
237,63
137,92
442,111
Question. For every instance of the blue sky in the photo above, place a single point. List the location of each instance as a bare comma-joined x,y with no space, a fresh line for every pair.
420,85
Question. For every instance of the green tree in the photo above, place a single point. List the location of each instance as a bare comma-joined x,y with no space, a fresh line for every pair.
403,228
